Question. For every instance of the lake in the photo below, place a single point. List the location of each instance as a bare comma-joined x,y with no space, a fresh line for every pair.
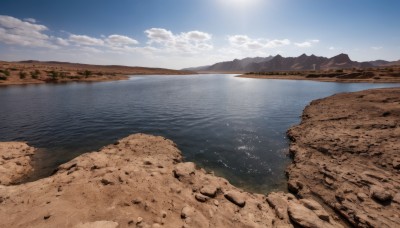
233,126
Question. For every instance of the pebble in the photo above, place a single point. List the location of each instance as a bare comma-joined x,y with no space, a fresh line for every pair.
201,198
187,211
209,191
236,198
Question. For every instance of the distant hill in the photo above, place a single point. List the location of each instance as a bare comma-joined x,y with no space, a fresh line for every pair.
279,63
236,65
105,68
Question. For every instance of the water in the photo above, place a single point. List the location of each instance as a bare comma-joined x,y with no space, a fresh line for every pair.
232,126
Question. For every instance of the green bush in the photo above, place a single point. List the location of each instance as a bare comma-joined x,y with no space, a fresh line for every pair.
35,74
22,75
87,73
5,72
54,75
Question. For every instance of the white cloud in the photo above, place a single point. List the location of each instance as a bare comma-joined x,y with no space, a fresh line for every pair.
119,40
245,42
306,44
85,40
159,35
331,48
16,32
61,41
278,43
31,20
186,42
197,36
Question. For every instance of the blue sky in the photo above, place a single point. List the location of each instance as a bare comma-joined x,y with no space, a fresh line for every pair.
183,33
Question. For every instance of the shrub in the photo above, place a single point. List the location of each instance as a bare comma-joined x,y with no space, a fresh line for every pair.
87,73
22,75
339,71
54,75
35,74
5,72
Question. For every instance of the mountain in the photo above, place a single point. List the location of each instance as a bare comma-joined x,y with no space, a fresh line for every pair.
280,63
236,65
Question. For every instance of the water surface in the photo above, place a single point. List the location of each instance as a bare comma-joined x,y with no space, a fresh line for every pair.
232,126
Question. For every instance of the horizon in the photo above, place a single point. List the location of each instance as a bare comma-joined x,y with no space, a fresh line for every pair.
196,33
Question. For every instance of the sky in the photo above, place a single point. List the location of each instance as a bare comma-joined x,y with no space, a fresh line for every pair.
185,33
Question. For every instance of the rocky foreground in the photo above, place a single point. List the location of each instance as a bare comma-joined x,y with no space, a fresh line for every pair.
347,155
141,181
15,162
345,173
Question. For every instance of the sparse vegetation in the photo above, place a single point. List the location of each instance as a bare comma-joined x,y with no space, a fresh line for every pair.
54,75
5,72
22,75
35,74
87,73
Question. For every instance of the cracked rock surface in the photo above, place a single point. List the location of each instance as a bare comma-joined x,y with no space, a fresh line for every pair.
346,152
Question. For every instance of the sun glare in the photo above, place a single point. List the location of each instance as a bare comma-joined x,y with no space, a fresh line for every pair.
240,4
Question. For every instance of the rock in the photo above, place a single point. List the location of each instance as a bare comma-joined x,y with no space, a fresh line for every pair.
293,186
216,203
396,163
201,198
236,198
139,220
98,224
209,191
15,161
380,194
187,211
184,169
306,217
316,208
278,204
396,198
362,196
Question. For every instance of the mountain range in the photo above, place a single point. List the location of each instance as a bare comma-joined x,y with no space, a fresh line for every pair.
279,63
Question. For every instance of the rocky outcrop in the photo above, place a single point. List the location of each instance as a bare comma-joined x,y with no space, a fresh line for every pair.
15,161
141,181
346,152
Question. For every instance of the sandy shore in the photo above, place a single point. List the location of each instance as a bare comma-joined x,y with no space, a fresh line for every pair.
345,172
35,72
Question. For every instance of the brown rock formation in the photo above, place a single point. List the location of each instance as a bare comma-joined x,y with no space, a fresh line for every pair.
346,152
140,181
15,161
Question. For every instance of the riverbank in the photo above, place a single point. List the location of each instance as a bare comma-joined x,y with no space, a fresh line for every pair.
372,75
36,72
141,181
345,159
347,155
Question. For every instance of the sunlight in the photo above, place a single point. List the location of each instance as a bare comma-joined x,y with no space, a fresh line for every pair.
240,4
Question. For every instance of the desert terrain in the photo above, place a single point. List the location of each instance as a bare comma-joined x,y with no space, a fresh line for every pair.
35,72
345,173
373,75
